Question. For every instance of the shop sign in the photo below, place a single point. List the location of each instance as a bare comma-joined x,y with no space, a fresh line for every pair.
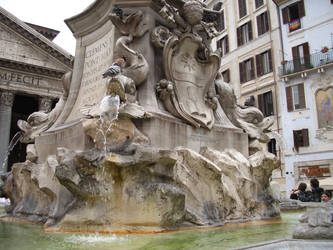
314,171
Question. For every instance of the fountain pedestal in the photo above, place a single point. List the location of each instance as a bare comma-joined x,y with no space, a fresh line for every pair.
177,156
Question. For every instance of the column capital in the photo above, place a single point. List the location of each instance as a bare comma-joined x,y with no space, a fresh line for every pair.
7,98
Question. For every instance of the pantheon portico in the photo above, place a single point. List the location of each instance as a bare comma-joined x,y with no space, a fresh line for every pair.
31,68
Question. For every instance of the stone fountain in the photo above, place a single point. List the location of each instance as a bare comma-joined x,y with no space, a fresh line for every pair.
181,152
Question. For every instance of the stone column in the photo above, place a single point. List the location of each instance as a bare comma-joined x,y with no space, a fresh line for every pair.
6,103
45,104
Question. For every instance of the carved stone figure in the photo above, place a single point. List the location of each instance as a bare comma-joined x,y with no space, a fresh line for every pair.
40,121
191,70
111,169
248,118
190,66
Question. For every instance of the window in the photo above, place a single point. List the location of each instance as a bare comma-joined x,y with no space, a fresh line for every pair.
221,21
244,33
264,63
246,70
242,8
226,75
259,3
292,14
295,97
265,103
262,23
223,44
271,146
301,138
301,56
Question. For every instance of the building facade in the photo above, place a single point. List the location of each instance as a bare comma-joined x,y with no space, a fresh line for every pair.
306,91
250,45
31,68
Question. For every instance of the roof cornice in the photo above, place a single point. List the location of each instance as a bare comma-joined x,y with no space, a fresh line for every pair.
36,38
29,68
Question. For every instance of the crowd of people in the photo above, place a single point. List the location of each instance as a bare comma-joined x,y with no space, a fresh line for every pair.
316,194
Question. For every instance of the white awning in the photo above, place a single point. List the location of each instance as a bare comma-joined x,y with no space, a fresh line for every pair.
325,183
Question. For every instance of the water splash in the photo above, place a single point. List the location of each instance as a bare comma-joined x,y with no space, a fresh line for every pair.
95,238
11,145
109,112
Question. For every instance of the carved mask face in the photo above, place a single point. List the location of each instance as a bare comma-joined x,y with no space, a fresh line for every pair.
193,12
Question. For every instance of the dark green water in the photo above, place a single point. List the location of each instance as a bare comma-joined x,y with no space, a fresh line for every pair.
26,237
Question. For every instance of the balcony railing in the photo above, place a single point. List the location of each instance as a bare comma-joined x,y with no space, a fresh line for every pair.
308,62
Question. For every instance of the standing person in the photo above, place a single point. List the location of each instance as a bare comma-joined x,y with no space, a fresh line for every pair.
316,191
300,193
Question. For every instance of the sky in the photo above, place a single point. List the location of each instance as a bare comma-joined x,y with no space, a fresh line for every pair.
50,14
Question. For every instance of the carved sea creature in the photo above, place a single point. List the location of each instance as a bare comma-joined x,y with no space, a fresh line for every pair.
40,121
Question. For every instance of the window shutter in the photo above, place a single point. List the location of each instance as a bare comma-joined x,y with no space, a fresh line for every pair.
242,8
226,44
261,105
301,96
305,136
222,20
295,53
239,36
259,25
270,104
219,44
252,68
270,60
266,14
306,52
301,10
290,105
306,49
258,65
295,139
285,15
250,30
241,72
226,76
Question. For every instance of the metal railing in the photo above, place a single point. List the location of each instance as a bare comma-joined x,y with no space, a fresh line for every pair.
308,62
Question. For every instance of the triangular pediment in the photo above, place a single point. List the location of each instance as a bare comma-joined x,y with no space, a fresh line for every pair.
19,42
16,48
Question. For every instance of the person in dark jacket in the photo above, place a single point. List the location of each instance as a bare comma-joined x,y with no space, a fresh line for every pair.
300,193
316,191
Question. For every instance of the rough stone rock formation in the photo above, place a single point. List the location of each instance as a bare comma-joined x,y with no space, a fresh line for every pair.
150,190
316,224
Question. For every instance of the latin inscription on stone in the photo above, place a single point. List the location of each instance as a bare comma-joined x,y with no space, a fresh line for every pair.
12,77
98,58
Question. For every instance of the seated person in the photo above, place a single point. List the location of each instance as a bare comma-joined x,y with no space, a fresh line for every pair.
316,191
326,196
300,193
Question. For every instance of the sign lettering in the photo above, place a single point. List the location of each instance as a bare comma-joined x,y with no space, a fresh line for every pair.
20,78
315,171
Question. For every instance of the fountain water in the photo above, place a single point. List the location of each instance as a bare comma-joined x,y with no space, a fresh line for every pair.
11,146
109,112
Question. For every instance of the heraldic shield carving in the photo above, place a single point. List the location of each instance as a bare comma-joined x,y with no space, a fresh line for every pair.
189,79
